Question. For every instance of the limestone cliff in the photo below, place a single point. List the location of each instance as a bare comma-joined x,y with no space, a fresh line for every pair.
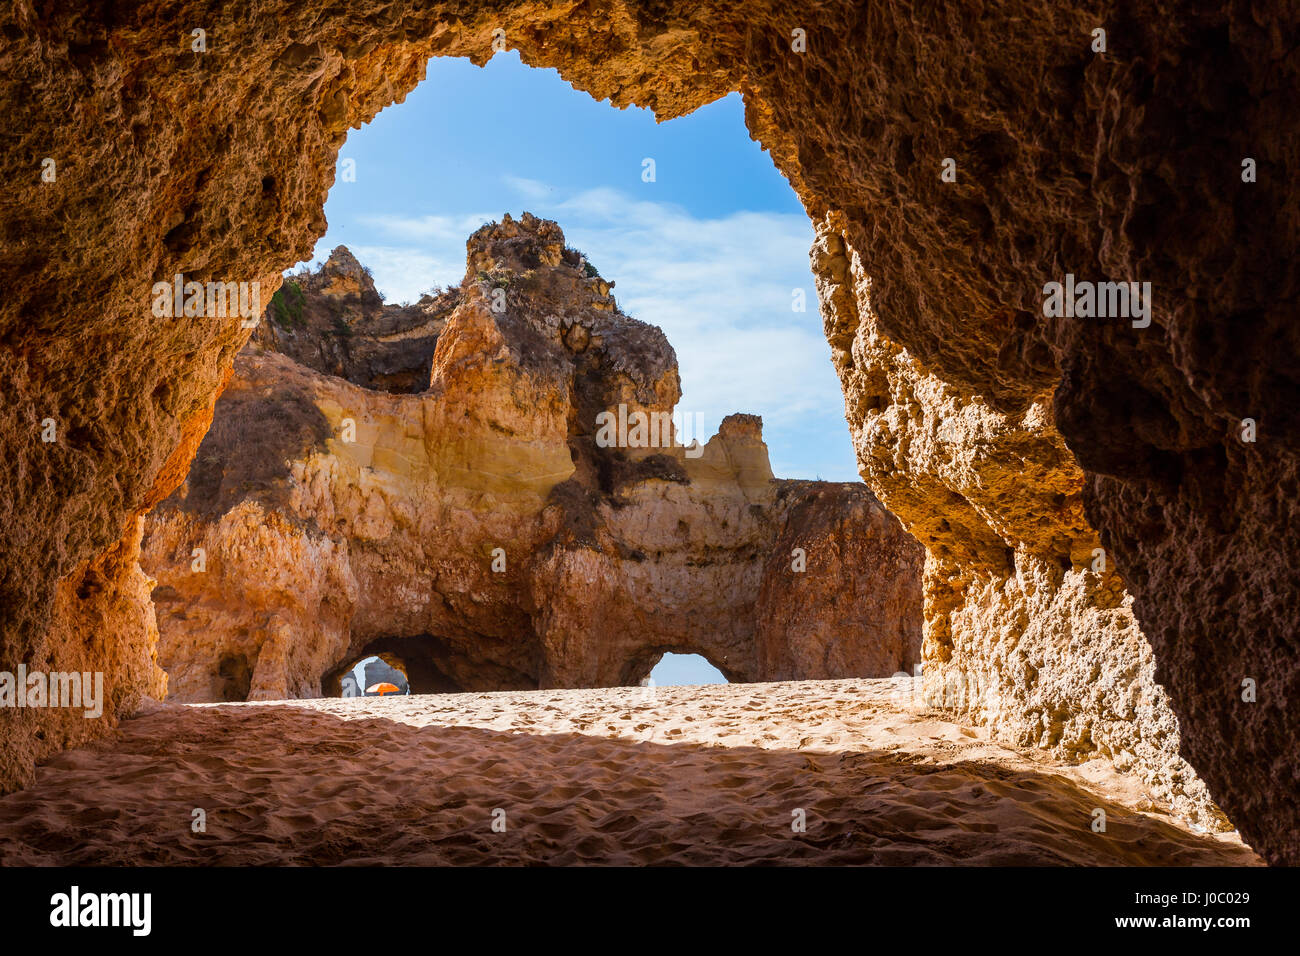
480,531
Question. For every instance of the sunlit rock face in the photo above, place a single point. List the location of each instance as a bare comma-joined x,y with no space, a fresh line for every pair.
486,531
1027,624
1125,164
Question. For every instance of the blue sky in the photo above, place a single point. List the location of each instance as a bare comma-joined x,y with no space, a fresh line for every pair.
676,669
711,251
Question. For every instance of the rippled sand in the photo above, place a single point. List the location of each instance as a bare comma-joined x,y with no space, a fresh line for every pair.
706,775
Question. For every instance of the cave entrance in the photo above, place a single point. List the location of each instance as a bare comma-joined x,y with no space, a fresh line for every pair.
234,677
741,51
684,670
689,218
707,243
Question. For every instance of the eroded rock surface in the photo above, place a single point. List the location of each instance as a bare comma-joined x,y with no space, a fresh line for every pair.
1125,165
480,532
1028,626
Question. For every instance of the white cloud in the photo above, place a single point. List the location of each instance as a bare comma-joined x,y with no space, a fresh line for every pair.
426,229
530,188
417,252
403,274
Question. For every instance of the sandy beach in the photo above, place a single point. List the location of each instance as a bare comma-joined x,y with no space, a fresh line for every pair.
679,775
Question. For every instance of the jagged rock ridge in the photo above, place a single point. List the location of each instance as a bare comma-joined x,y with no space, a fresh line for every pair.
335,321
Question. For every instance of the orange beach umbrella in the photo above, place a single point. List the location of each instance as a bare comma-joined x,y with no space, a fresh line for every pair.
382,689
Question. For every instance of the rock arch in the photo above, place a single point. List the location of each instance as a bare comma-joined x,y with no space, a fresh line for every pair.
1122,165
341,682
639,667
413,656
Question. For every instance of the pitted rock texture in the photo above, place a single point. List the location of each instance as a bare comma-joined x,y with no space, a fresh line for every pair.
480,533
807,630
107,627
1028,627
1122,165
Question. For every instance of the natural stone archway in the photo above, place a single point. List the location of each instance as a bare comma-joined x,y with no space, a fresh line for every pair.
640,669
413,656
1123,165
354,680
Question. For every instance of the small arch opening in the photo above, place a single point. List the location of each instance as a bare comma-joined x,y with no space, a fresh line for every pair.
684,670
375,676
421,659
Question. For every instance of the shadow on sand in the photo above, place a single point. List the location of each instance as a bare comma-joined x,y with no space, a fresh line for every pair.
287,785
